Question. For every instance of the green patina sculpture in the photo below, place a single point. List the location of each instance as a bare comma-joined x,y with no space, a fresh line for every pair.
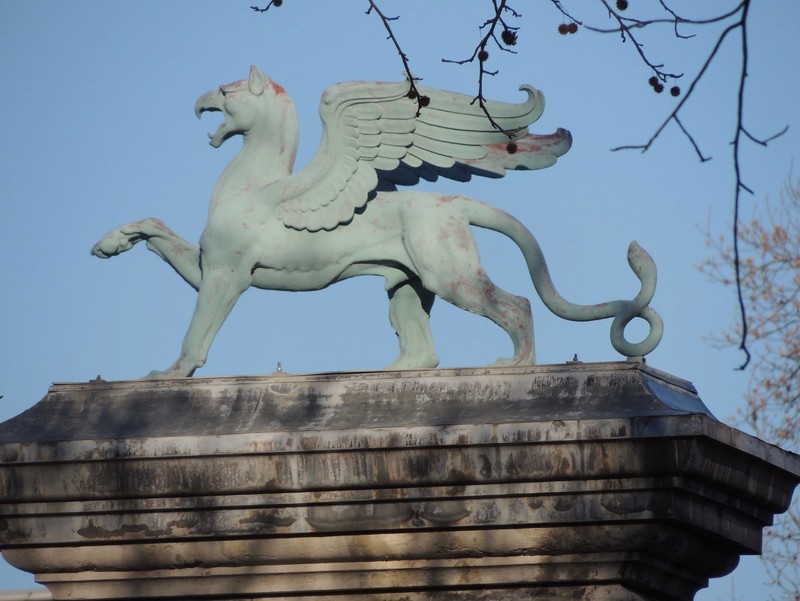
342,216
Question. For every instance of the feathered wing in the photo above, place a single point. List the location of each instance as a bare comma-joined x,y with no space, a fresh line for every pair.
374,139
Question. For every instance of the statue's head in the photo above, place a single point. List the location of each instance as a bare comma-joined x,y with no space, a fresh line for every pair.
253,103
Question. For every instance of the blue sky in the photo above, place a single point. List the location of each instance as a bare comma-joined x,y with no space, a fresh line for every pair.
98,130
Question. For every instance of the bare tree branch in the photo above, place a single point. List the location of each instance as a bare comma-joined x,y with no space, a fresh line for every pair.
692,86
509,38
739,184
413,92
742,11
275,3
769,243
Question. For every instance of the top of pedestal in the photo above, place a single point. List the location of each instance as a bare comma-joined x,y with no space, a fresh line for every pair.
286,402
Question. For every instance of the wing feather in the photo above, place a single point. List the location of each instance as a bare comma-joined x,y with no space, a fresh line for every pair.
434,159
459,136
366,128
374,139
370,140
386,164
456,152
392,125
412,161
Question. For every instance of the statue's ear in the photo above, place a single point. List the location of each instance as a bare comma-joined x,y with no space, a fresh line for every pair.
257,81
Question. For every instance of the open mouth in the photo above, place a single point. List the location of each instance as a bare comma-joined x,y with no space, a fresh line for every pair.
212,102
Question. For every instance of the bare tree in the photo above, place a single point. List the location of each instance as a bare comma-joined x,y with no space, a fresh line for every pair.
769,277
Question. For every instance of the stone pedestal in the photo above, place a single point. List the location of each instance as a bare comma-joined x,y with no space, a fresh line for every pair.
581,481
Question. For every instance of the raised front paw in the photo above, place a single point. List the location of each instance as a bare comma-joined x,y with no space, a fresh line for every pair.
118,241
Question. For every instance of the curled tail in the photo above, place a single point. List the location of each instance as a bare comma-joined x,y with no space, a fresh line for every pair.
622,311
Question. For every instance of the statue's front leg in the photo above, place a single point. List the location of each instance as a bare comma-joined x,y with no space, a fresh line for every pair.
181,255
122,239
220,290
409,312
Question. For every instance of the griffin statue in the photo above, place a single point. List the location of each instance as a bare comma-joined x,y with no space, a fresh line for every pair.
342,216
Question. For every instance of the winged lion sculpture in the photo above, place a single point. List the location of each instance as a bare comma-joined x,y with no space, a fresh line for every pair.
342,216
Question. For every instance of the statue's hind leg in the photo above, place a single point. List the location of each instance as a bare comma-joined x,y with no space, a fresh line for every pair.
476,293
449,266
409,312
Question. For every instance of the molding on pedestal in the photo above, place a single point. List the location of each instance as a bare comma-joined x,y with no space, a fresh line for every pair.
581,481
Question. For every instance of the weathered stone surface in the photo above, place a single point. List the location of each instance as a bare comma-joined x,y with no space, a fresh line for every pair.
583,481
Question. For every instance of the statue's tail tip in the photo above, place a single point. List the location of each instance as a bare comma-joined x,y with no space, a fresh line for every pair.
637,253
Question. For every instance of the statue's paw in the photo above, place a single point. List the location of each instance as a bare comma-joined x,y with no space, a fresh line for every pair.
114,243
510,362
414,361
163,375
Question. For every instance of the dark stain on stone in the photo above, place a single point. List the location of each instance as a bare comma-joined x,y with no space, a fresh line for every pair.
443,513
564,503
487,513
420,467
554,387
511,467
456,490
535,503
486,466
359,517
307,407
269,519
8,535
184,524
459,476
95,532
627,503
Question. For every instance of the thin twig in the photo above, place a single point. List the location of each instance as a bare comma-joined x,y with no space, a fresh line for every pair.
482,55
764,141
626,31
740,185
645,147
267,7
685,131
413,92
